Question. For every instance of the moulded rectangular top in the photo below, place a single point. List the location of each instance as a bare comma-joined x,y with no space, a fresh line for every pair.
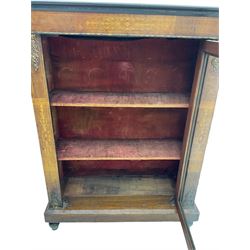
156,7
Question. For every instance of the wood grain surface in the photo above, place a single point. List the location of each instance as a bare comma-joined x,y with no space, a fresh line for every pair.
118,150
120,167
211,47
119,97
121,65
120,123
120,203
203,123
62,98
203,98
119,208
44,124
124,24
118,186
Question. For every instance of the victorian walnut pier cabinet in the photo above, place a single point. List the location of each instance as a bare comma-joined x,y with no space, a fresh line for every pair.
123,98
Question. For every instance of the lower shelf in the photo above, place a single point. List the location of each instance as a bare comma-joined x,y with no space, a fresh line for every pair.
119,186
117,198
122,208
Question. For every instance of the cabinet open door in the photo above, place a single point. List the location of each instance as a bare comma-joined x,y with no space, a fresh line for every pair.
205,88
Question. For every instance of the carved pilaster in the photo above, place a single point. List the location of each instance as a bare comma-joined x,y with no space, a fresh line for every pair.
215,64
35,52
43,117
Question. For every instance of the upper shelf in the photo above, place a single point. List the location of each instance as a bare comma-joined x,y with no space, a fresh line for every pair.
118,150
107,99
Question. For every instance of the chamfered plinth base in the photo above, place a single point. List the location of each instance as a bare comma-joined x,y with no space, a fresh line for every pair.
94,210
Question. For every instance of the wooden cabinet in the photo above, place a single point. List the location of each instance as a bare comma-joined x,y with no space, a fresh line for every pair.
123,98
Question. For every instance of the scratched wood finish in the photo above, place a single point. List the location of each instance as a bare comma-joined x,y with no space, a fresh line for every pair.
124,24
200,115
118,186
120,167
144,65
44,123
119,150
120,123
62,98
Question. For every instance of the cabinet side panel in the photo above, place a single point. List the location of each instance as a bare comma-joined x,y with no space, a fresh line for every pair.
44,123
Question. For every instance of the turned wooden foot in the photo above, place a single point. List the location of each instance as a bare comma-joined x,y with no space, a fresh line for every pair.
54,226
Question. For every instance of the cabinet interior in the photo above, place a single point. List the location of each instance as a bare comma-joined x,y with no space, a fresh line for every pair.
119,109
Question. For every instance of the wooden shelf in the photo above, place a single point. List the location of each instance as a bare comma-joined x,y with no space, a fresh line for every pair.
106,99
121,202
118,186
119,208
118,150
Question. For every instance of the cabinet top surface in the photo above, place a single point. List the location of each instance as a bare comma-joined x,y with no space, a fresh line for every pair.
156,7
